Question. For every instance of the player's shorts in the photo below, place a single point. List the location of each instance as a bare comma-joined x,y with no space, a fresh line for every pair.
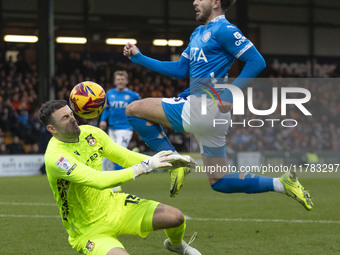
121,137
173,109
128,215
210,129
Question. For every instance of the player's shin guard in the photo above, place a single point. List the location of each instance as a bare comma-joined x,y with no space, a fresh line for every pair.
243,183
176,234
152,134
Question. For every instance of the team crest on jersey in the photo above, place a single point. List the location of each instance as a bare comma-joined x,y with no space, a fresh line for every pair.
126,97
206,37
91,140
90,245
63,164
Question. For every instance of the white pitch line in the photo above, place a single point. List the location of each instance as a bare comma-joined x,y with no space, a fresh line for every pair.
263,220
197,219
29,204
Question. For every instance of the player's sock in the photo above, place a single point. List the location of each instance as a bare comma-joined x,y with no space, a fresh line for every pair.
152,134
118,167
243,183
176,235
278,185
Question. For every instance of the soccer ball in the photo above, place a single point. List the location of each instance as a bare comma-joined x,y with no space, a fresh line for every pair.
87,99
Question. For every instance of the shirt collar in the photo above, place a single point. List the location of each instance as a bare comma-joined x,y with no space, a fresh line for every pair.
218,18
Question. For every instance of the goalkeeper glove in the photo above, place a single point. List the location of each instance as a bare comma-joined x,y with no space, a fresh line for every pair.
160,160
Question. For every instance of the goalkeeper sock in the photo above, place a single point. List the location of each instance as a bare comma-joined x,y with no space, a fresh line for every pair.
176,235
243,183
152,134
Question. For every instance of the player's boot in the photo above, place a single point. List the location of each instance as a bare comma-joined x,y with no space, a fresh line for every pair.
178,175
177,179
184,249
295,190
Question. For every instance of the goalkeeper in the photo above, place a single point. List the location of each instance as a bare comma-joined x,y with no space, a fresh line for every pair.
91,213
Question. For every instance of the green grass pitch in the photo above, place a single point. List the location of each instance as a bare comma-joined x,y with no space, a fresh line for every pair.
237,224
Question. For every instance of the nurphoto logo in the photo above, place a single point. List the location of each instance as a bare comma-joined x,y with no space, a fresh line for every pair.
239,104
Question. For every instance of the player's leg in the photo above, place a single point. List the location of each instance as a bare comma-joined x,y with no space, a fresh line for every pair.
227,182
251,183
121,137
117,251
213,150
146,116
173,222
212,141
132,215
233,182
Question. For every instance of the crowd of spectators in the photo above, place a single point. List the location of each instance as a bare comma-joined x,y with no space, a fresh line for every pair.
19,125
21,131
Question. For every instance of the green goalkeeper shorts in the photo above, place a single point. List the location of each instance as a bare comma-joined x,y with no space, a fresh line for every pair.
128,215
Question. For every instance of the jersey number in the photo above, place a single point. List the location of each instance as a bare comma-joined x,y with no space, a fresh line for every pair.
131,199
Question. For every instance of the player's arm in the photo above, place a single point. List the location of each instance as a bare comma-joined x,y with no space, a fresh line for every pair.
254,64
177,69
65,166
77,172
127,158
232,40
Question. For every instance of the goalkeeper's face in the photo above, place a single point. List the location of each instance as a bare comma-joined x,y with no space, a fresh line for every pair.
64,127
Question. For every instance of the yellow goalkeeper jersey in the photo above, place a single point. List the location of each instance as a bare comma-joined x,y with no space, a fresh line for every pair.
79,185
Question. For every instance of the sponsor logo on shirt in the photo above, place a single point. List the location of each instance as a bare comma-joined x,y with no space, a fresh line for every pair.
91,140
206,37
71,169
237,35
197,54
240,38
63,164
118,104
90,245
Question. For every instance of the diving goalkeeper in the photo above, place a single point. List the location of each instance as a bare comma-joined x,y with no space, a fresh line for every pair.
91,213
